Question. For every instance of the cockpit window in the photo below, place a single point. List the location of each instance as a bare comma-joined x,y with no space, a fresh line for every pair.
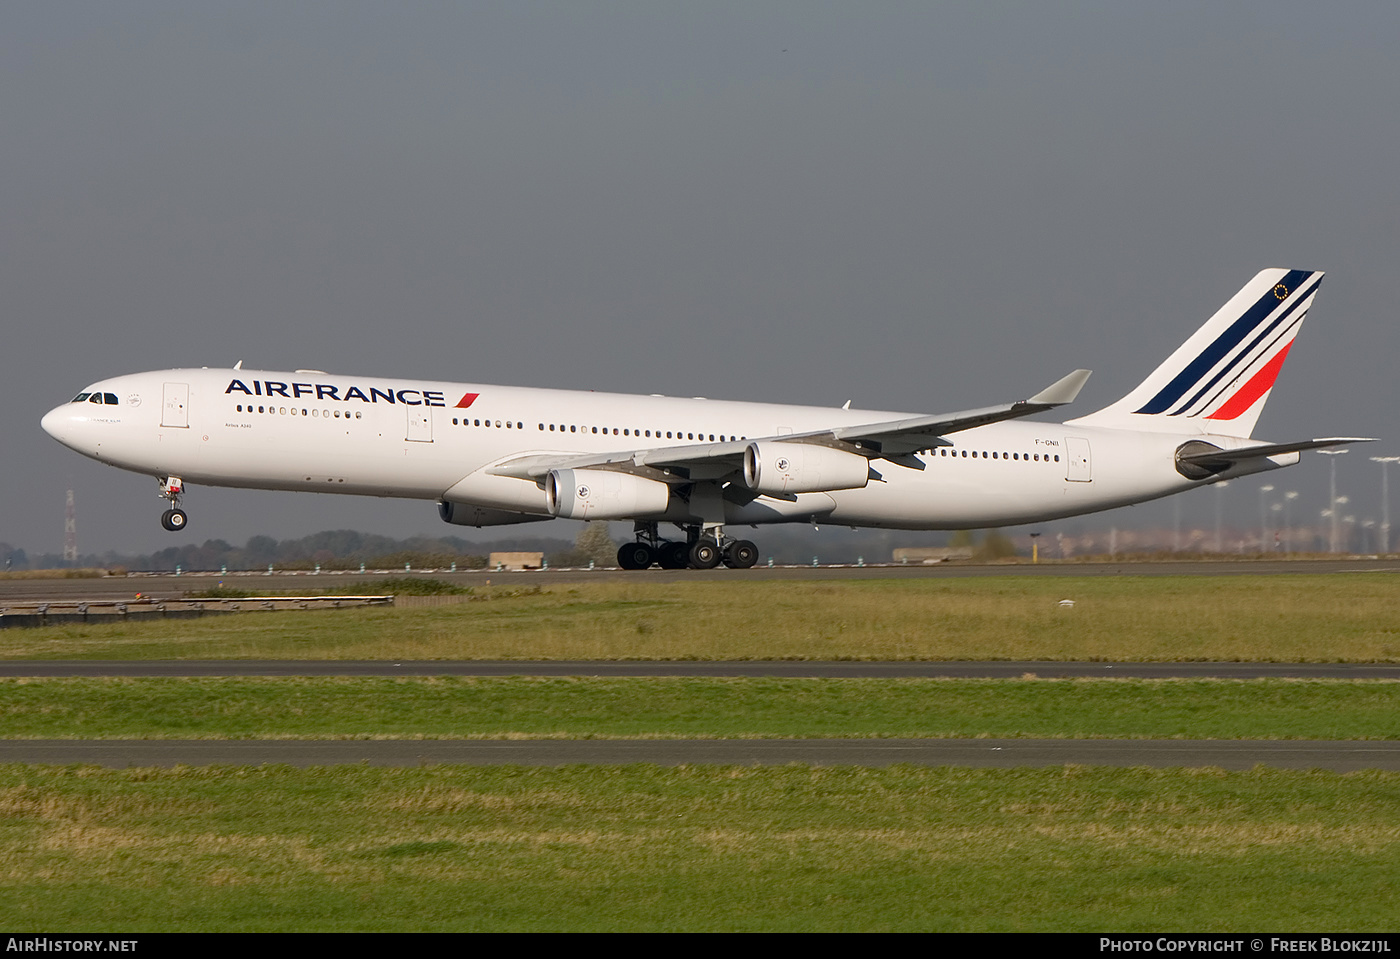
110,399
79,398
95,398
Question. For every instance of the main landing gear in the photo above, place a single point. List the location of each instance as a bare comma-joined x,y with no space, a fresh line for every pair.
173,519
703,549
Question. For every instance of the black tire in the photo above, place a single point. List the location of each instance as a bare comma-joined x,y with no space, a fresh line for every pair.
674,556
705,554
635,556
740,554
174,520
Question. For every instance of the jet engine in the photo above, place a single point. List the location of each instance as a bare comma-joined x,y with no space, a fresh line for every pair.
780,468
463,514
604,494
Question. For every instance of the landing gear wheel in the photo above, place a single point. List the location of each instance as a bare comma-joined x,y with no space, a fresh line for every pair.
174,520
740,554
635,556
705,554
674,556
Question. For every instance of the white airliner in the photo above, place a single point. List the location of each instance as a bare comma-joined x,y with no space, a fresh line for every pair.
492,455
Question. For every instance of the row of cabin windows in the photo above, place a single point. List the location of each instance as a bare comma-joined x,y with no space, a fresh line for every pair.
1028,457
508,424
283,411
463,421
111,399
604,430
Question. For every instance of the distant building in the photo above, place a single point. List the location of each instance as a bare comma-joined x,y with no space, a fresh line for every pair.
928,555
515,560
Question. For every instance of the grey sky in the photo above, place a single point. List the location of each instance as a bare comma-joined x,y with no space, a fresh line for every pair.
915,206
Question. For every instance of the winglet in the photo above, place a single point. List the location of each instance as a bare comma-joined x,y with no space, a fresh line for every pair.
1063,390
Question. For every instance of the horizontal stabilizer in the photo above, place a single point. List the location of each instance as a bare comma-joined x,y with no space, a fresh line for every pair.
1274,449
1197,459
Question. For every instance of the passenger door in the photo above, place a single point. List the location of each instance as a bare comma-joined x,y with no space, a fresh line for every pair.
175,409
1079,469
420,425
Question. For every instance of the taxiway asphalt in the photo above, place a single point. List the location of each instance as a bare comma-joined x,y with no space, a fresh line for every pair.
170,586
790,669
1337,756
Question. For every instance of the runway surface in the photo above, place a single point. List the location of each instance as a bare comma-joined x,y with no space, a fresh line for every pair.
1346,756
652,668
170,586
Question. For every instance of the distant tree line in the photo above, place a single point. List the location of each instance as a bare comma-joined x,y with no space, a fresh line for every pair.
331,550
348,549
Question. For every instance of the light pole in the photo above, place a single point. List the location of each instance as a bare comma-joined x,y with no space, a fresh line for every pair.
1264,490
1385,462
1219,496
1176,524
1288,499
1332,545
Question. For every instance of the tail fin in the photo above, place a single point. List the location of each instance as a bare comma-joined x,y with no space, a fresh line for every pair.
1219,379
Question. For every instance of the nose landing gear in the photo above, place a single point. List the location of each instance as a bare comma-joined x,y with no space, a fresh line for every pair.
173,519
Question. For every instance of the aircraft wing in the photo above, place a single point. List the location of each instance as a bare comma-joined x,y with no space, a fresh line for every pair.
898,437
893,438
727,457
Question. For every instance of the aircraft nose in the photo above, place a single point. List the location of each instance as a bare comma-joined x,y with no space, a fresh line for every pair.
59,423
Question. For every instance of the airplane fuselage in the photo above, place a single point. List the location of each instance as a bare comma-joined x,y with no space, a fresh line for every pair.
440,441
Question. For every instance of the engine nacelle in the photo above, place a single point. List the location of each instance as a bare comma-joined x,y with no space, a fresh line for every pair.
780,468
463,514
604,494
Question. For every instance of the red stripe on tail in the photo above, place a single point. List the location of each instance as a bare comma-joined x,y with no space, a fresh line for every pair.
1259,384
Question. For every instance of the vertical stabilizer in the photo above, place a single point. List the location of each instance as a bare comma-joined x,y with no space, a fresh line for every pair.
1220,378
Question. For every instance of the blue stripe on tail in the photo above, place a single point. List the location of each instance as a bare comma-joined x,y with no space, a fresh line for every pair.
1223,344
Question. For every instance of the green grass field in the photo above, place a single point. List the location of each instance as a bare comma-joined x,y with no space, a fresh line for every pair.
530,707
1341,617
722,848
700,848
